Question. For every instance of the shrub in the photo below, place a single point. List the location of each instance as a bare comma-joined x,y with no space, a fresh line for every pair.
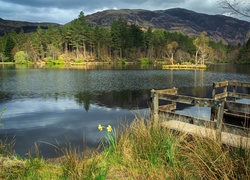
78,61
20,57
145,61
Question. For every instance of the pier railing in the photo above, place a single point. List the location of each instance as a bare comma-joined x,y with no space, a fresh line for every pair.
223,103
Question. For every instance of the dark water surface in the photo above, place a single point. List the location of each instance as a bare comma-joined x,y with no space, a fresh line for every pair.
66,105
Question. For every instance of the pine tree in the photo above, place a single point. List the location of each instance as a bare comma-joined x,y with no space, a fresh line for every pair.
10,44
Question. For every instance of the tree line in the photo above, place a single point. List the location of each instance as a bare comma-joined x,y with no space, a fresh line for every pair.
79,42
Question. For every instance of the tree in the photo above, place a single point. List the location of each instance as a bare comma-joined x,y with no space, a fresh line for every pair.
136,41
244,53
21,38
202,48
102,43
2,47
119,35
159,43
171,49
77,34
236,7
38,43
54,42
148,42
10,44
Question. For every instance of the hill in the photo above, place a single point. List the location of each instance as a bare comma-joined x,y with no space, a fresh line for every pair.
219,28
6,26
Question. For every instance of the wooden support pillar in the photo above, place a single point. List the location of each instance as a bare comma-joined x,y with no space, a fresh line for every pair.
213,109
155,110
225,91
219,118
234,92
213,92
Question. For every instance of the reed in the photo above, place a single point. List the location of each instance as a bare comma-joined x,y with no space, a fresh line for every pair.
140,150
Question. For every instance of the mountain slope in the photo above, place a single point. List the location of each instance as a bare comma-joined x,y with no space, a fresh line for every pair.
228,30
6,26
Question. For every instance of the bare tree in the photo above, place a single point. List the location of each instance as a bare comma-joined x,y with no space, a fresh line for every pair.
236,7
171,49
203,50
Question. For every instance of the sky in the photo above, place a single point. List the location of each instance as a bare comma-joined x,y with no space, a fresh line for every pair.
64,11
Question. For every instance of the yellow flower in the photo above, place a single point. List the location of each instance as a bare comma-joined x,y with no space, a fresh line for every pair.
100,127
109,128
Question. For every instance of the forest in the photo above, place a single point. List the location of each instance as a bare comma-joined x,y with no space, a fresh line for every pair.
78,42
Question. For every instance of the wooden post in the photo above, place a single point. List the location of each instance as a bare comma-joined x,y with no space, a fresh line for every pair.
213,92
155,105
225,91
219,118
234,92
213,109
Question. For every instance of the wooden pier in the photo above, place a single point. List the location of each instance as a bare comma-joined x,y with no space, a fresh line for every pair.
184,66
229,119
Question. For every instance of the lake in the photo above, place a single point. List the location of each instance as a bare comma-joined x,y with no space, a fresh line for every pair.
47,106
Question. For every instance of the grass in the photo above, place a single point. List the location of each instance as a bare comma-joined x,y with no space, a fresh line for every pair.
139,151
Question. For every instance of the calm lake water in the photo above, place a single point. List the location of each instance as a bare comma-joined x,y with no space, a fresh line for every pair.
57,106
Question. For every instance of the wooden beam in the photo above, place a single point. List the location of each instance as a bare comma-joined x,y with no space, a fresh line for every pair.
172,91
220,96
220,84
237,83
226,138
238,95
237,107
190,119
168,107
203,102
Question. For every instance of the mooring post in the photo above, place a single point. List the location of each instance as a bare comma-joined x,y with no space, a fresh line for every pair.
155,105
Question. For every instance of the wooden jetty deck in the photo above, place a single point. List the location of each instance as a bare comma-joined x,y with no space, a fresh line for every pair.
223,106
226,138
184,66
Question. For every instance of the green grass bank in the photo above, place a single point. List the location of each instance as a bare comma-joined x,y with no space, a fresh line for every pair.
139,150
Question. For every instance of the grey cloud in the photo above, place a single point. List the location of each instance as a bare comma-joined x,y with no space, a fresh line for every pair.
47,3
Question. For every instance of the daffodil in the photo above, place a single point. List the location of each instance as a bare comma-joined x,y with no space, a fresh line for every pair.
100,127
109,128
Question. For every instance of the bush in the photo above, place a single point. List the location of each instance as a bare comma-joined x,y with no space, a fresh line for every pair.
20,57
145,61
54,62
78,61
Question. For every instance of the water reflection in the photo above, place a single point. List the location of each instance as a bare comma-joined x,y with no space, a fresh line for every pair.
54,104
38,120
83,99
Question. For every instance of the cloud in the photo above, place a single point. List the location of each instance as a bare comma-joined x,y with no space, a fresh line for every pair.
63,11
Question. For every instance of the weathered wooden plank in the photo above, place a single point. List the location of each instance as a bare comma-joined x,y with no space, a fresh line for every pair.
238,95
168,107
172,91
240,84
226,138
203,102
238,115
220,96
184,66
237,107
220,84
190,119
